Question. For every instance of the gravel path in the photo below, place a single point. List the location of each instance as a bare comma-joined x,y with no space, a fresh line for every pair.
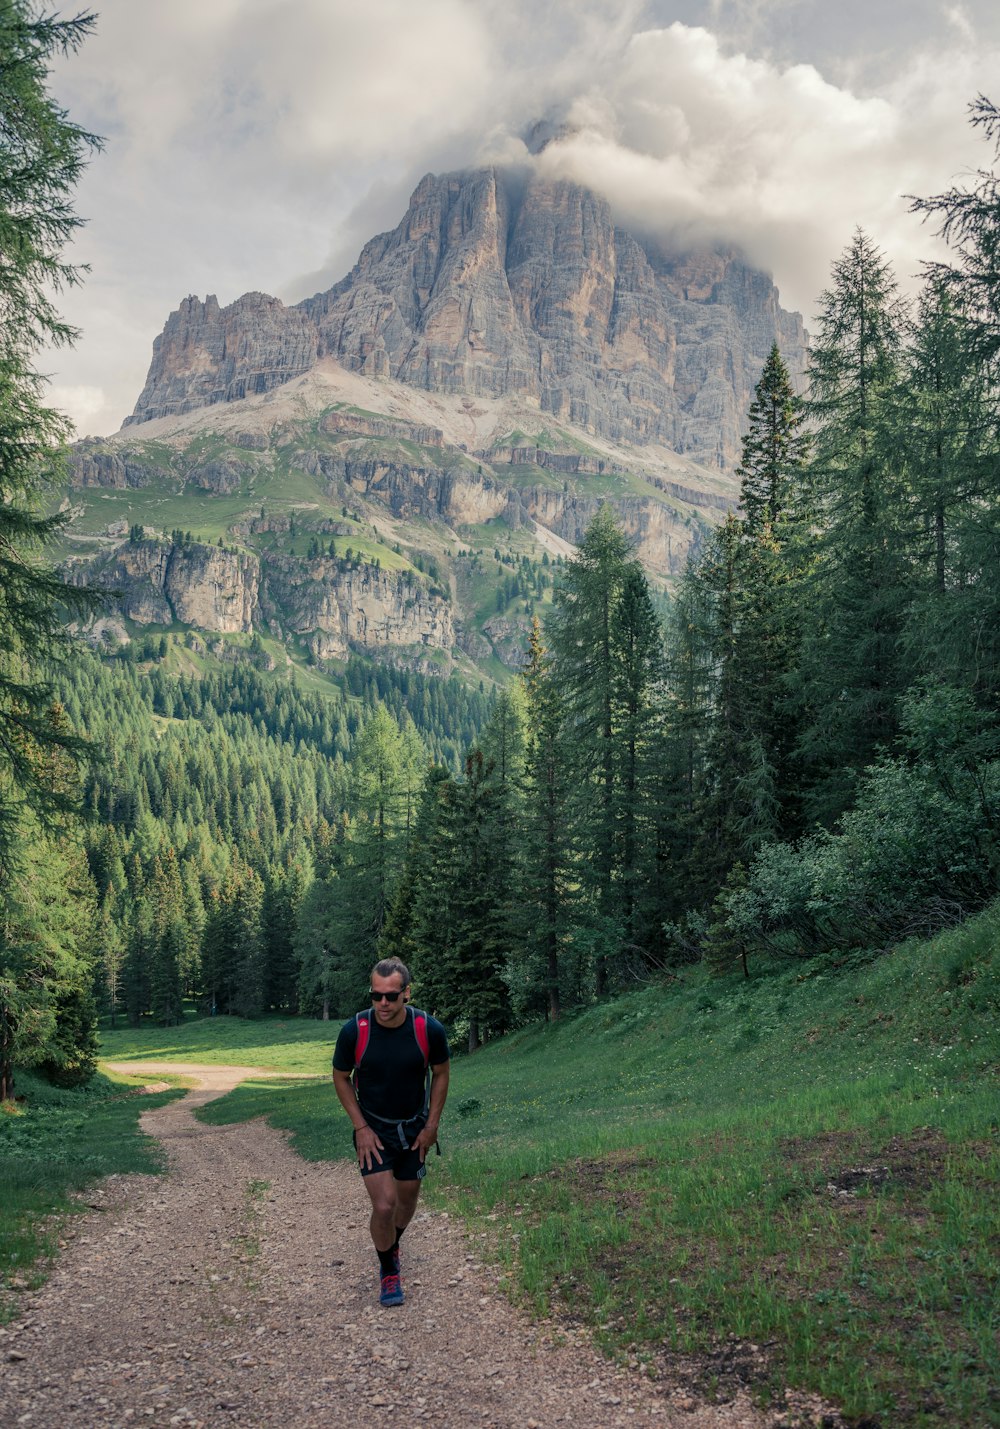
241,1289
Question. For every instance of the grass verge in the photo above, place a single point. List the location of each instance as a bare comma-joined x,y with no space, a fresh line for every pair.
53,1144
784,1182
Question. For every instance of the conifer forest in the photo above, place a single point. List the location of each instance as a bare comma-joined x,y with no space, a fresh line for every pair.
798,752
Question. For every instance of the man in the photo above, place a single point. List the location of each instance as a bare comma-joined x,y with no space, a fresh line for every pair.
395,1120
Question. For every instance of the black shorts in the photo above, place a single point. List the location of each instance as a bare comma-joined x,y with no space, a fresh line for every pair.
398,1153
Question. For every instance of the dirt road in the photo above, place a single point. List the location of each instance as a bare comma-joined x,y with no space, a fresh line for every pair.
241,1289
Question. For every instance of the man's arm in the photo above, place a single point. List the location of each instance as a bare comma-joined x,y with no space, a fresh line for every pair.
365,1140
439,1092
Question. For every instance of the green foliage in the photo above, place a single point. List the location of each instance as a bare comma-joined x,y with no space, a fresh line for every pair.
917,849
46,955
850,678
41,157
213,810
804,1160
969,219
605,657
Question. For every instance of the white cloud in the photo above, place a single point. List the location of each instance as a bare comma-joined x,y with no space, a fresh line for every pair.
958,17
690,142
80,404
257,144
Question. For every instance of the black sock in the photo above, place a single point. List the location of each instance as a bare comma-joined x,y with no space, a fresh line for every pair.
399,1236
386,1260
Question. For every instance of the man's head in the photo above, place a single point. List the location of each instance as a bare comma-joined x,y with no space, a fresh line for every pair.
390,983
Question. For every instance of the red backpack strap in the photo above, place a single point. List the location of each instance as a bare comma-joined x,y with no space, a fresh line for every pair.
420,1032
423,1042
364,1026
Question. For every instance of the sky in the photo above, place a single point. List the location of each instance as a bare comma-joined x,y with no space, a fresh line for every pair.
257,144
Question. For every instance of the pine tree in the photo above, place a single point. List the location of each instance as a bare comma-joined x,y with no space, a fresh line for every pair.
480,891
165,975
48,914
969,219
537,975
950,440
374,849
41,157
750,577
428,919
399,936
461,906
850,677
583,635
637,687
683,785
775,449
319,990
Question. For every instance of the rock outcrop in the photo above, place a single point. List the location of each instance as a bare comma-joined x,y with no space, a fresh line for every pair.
337,607
207,354
360,608
159,582
93,462
471,496
495,288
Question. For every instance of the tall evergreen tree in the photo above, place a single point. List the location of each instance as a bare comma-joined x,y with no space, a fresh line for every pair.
750,577
42,154
850,677
374,850
637,690
480,889
582,632
399,936
284,890
949,439
537,975
460,907
321,988
968,217
775,449
47,922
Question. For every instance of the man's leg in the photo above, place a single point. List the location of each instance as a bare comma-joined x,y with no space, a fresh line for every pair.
407,1195
381,1188
382,1193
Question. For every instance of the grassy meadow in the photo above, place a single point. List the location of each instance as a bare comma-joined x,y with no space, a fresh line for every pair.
790,1180
275,1044
785,1181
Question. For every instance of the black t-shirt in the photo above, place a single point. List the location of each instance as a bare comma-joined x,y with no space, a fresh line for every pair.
391,1079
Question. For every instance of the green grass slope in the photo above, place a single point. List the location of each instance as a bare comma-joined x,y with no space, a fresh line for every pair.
790,1180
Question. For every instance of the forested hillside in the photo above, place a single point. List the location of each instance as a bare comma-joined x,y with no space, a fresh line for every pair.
801,758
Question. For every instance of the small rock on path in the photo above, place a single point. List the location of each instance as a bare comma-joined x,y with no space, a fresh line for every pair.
240,1288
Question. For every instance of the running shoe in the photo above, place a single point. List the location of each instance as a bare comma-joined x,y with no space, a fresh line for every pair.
391,1292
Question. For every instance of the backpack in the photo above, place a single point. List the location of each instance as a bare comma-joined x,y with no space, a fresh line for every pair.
417,1020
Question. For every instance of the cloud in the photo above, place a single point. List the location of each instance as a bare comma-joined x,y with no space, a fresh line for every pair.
253,144
80,404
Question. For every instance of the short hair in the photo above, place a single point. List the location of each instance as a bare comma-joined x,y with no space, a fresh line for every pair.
388,966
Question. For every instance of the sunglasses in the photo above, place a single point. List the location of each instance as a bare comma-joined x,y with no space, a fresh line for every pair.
386,996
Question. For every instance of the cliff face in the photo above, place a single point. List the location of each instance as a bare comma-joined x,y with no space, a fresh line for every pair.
207,354
159,583
496,290
364,609
336,609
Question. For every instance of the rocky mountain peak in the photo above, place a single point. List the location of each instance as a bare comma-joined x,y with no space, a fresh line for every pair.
496,286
